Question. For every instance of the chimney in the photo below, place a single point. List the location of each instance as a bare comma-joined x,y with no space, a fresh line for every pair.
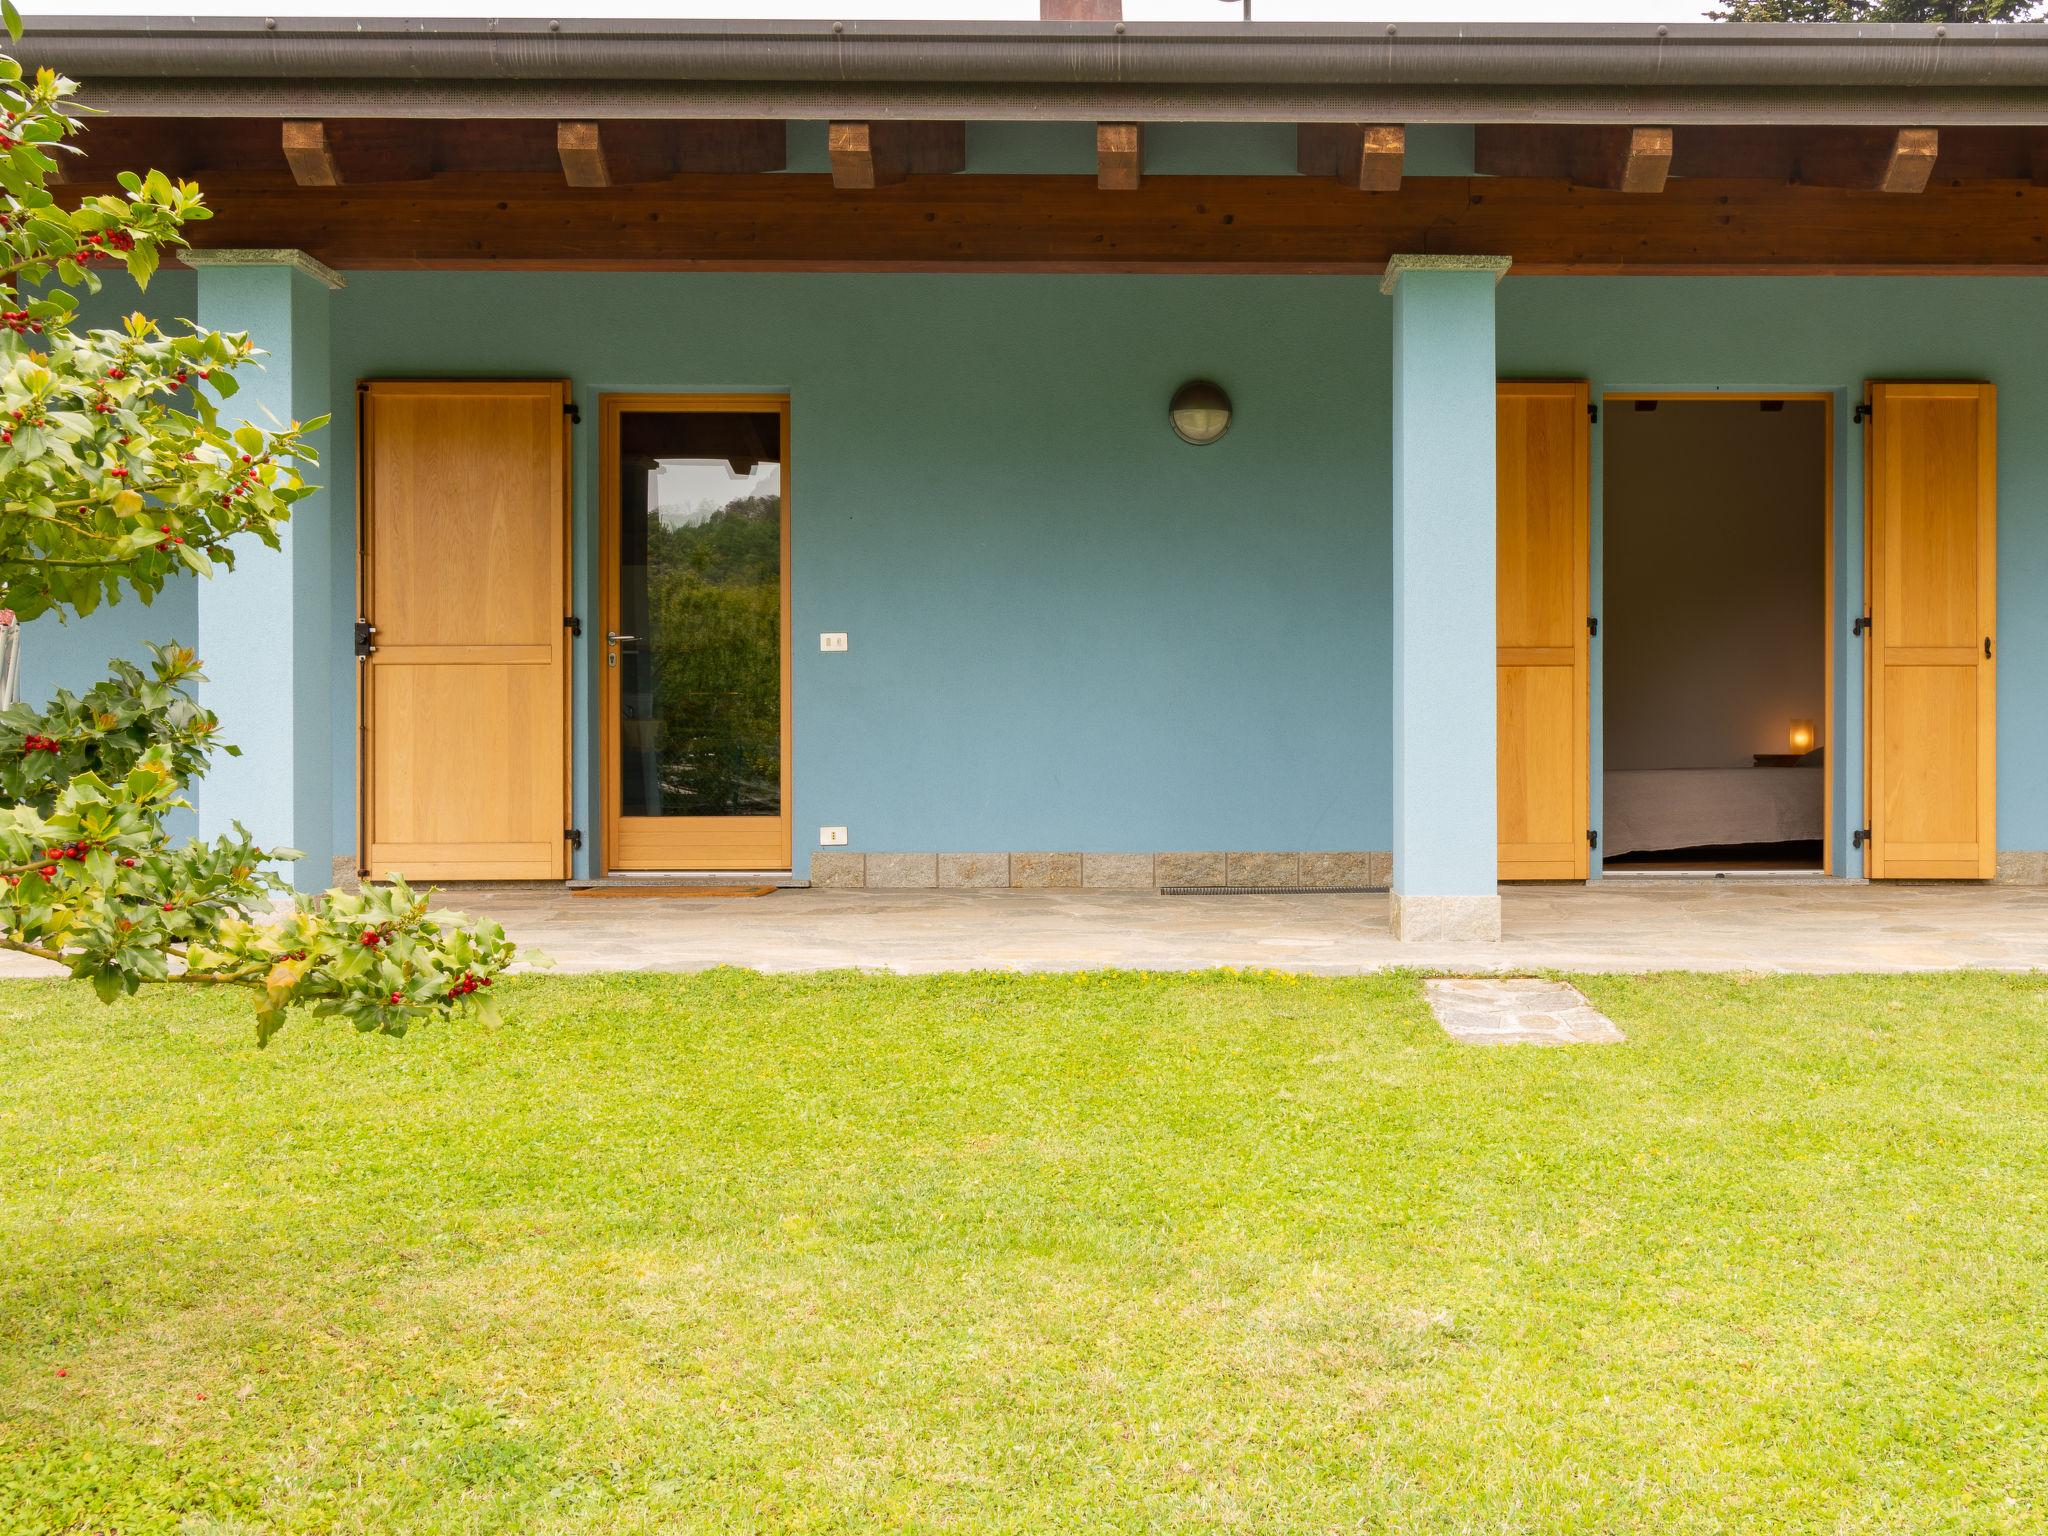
1080,10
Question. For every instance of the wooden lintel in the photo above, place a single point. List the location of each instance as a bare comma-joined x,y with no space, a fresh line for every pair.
878,154
310,156
1119,156
1910,162
1052,223
581,146
1366,157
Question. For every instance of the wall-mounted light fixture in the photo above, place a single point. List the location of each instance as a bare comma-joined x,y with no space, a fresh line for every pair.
1200,412
1801,736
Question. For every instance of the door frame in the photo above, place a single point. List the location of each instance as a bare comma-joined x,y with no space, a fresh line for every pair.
610,408
1830,757
365,584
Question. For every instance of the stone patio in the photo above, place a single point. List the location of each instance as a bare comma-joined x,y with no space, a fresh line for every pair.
1615,925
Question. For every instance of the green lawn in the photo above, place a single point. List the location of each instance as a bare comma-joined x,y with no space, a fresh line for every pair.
988,1253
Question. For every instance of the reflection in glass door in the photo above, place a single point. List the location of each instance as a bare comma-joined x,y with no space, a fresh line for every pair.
695,651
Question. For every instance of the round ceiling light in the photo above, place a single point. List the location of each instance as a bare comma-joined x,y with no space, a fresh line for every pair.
1200,412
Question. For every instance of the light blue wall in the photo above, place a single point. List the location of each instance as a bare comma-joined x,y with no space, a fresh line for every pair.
1832,334
1068,629
74,655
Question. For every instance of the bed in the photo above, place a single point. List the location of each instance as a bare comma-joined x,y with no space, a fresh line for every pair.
1659,808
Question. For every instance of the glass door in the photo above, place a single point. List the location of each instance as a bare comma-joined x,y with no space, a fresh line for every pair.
695,646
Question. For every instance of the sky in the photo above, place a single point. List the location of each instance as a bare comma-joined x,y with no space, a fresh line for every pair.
907,10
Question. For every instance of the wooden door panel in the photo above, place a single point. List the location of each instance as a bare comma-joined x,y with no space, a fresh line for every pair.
1930,471
1542,673
464,575
1542,820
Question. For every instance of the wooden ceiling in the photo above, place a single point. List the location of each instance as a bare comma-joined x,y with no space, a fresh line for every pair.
682,194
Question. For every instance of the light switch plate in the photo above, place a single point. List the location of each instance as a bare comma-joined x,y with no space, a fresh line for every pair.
831,837
832,642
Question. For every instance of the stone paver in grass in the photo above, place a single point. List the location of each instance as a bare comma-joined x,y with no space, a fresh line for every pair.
1518,1010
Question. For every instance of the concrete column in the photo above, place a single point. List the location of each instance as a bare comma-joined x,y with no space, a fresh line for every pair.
1446,854
267,630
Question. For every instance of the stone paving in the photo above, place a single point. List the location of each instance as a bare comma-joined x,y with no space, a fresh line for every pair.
1613,925
1517,1011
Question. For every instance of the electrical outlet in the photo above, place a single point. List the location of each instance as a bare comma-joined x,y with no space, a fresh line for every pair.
831,837
834,642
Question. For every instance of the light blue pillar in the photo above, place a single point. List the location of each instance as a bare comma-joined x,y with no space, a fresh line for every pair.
1446,853
267,629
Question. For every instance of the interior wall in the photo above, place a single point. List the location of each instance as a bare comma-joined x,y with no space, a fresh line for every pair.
1716,524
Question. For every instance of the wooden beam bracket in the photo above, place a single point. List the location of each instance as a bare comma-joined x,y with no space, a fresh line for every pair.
1119,156
581,146
879,154
1367,157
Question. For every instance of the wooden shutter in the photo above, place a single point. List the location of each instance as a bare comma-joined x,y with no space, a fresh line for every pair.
463,571
1931,563
1542,676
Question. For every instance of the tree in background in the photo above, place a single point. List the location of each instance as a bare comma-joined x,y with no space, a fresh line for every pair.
117,473
1883,10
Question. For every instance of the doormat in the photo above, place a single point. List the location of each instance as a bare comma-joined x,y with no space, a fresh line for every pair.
1518,1010
698,892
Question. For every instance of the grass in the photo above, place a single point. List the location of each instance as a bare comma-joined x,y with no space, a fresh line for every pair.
1001,1254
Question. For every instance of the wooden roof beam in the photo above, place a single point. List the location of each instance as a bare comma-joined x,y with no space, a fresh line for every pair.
1868,159
581,146
1366,157
355,152
1617,157
310,156
1119,156
879,154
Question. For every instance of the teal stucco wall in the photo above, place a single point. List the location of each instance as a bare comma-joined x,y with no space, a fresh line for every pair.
1067,628
1070,631
1833,334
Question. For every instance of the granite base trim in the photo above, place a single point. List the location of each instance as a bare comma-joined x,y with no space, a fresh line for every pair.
2023,867
1444,919
1038,870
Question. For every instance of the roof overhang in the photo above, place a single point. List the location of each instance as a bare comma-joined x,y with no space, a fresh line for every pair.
1058,71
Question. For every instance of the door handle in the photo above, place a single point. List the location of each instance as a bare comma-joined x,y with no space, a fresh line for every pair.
613,638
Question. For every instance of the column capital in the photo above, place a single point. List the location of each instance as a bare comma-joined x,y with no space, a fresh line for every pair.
232,256
1419,262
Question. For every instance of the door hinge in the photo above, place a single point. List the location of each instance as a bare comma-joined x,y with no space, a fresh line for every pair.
1593,413
574,835
574,625
575,414
1863,412
1987,647
1859,837
365,643
1593,626
1861,627
1592,838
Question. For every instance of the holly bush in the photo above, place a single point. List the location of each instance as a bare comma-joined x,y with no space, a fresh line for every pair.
118,472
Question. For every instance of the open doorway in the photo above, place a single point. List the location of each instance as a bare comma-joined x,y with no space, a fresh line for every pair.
1716,699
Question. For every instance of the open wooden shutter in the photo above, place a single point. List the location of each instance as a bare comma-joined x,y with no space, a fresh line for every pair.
463,572
1931,482
1542,445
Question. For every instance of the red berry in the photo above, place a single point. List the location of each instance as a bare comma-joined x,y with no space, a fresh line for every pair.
170,906
49,871
398,997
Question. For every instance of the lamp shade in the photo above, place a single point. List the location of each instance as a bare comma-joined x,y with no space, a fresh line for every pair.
1200,412
1801,736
